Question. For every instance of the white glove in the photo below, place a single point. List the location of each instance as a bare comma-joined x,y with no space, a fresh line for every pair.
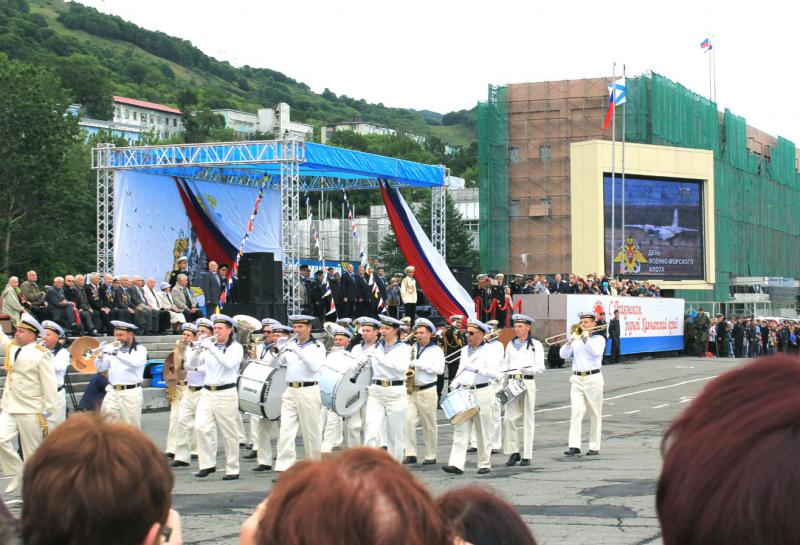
46,414
585,336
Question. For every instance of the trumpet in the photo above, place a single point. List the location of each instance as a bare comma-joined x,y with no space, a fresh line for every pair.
575,333
91,352
201,344
409,339
276,351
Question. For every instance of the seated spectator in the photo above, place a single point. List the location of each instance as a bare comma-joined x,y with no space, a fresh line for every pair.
32,298
730,471
183,299
63,311
93,481
10,303
479,517
361,497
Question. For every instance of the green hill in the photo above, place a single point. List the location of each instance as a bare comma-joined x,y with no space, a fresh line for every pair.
98,55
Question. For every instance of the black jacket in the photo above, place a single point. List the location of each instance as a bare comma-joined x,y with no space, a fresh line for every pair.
614,329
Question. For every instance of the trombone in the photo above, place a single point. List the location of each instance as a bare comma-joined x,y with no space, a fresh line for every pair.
575,333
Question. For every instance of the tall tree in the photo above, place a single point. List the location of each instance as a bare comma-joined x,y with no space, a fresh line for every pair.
45,197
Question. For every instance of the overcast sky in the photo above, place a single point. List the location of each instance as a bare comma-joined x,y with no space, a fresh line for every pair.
440,55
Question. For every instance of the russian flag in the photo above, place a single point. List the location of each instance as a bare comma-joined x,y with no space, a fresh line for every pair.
609,112
705,45
430,269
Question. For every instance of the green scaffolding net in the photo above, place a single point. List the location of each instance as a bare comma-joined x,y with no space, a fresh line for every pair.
493,179
756,195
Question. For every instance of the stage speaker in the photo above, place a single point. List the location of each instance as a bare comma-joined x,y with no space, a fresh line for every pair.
259,279
464,277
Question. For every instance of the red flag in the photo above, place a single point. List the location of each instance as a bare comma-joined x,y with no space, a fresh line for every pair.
609,112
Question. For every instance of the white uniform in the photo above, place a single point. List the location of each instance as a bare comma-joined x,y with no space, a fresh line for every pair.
300,404
29,394
61,360
330,422
124,396
387,401
218,407
522,361
587,388
185,428
496,434
476,369
263,429
354,425
428,364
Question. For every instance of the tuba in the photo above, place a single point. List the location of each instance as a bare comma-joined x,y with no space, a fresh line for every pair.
245,327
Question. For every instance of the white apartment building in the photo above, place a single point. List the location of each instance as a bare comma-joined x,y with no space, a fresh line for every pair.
360,127
164,121
266,120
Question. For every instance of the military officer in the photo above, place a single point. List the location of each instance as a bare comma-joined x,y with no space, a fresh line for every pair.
52,337
427,360
125,360
218,407
524,358
29,396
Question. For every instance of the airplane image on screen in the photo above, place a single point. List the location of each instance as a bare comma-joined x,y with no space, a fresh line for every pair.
664,232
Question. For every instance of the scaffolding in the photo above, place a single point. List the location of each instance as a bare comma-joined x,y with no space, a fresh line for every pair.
493,179
288,165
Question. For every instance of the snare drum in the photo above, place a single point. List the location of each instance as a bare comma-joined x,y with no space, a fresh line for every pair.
343,394
460,405
260,389
512,391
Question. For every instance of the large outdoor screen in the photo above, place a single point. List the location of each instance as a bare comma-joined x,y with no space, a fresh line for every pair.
661,235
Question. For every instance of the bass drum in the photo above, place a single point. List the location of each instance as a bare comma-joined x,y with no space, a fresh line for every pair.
346,393
260,389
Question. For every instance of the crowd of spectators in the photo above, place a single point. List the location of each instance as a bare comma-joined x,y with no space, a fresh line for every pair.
728,476
738,336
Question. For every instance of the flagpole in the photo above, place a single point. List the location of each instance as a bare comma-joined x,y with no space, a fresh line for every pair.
624,105
613,167
710,52
714,69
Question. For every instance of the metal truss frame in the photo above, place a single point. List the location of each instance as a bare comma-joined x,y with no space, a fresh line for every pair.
230,163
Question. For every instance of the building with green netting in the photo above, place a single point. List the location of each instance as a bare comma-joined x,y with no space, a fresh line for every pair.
526,135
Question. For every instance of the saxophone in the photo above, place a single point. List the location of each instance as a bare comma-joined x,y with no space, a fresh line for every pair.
411,371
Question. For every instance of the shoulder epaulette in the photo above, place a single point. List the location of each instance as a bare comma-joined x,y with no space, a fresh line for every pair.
41,348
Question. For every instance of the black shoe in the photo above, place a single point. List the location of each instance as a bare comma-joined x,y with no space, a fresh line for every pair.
178,463
429,462
205,472
525,462
252,455
194,456
230,477
452,469
513,459
169,455
410,460
484,471
572,451
495,451
242,445
472,450
262,467
592,452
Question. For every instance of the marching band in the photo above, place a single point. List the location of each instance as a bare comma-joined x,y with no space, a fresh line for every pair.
373,387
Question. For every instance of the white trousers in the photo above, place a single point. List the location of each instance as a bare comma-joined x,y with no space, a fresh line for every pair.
299,409
29,429
240,425
354,428
123,405
174,411
265,429
496,433
60,415
422,408
387,404
331,426
185,430
254,430
519,424
218,411
482,422
586,392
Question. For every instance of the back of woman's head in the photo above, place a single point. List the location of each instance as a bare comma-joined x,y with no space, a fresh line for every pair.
480,517
730,474
362,496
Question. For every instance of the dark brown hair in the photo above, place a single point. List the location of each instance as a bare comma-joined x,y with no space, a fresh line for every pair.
362,496
94,481
730,473
479,516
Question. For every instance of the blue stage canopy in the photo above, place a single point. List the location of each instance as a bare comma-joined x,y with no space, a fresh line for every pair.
247,162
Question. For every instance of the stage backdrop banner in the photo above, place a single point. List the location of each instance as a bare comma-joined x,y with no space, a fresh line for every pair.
152,227
647,324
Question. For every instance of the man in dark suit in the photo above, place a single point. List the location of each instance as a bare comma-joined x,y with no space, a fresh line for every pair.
347,289
182,297
212,284
103,311
363,294
124,302
152,315
63,311
90,317
561,285
380,279
614,331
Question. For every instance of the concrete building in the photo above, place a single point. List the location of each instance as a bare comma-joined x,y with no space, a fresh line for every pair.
163,121
276,121
359,127
130,132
